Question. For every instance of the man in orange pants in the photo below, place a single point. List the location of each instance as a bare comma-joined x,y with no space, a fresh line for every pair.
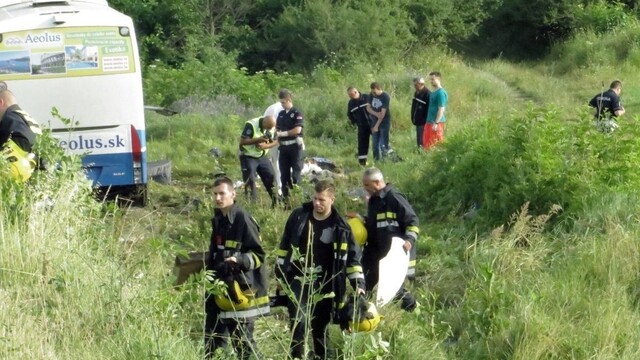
434,128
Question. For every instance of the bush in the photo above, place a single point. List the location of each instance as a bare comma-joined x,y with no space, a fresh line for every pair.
490,168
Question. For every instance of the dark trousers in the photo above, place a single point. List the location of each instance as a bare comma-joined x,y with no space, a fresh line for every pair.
370,265
419,134
218,332
364,135
251,166
299,312
291,162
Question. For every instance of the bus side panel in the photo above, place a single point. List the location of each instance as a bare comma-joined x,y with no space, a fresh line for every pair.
109,169
109,155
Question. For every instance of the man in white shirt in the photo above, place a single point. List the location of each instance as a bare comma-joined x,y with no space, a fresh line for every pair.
274,110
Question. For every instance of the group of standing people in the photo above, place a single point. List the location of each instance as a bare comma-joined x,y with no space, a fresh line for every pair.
371,114
316,258
317,254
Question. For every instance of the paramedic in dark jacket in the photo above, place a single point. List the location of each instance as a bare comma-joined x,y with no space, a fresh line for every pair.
316,256
419,108
289,126
235,244
358,116
389,215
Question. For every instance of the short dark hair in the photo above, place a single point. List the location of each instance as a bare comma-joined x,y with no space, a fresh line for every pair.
376,85
285,94
325,185
436,74
223,180
351,88
615,84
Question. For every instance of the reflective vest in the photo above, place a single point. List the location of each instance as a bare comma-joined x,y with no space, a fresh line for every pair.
254,150
33,125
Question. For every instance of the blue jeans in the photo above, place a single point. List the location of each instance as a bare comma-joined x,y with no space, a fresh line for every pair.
380,139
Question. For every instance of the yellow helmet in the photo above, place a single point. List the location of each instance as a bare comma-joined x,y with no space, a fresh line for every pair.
368,321
225,302
21,163
359,230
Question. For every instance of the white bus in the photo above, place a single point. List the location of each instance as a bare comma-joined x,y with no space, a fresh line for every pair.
81,57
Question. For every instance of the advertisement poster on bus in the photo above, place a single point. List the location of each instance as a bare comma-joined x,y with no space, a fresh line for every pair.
65,52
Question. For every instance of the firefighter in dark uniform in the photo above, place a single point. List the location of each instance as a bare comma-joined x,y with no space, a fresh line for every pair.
419,108
357,114
389,215
316,257
18,133
258,136
235,250
289,133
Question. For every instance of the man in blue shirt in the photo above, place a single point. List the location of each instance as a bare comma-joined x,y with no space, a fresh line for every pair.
435,126
379,119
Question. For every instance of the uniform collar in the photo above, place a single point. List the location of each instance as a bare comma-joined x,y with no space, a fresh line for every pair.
385,190
232,213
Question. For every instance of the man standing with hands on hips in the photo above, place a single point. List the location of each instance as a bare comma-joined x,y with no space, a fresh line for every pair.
435,126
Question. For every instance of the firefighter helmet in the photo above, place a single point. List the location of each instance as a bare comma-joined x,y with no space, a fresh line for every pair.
359,230
366,321
226,303
21,163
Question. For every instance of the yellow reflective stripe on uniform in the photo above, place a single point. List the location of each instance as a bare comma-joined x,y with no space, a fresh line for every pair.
33,125
230,244
414,229
386,215
256,260
353,269
412,263
343,246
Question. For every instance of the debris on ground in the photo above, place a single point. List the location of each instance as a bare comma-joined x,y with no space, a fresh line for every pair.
317,168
